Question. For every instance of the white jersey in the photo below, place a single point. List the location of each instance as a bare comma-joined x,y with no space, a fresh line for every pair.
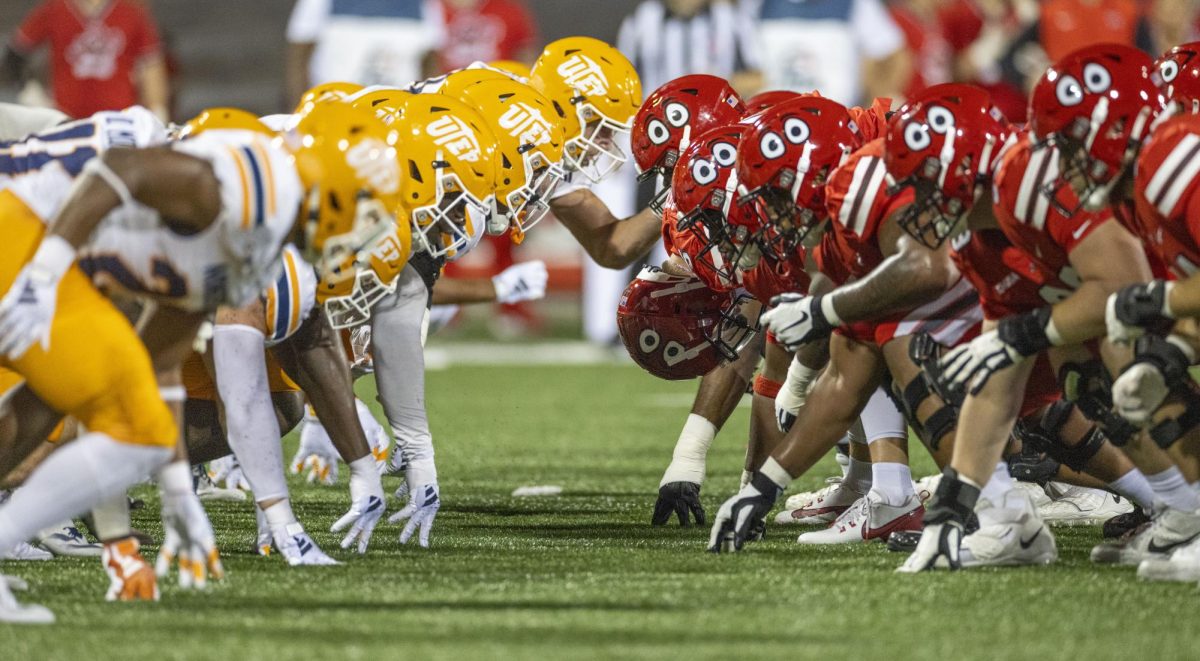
230,262
40,168
291,298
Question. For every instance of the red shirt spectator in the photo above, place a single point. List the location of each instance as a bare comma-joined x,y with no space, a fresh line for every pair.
94,55
1068,25
486,31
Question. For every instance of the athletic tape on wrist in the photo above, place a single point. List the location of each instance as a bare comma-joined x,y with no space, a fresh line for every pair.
172,393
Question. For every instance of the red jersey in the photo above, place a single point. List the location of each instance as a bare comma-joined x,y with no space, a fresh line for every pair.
92,58
770,279
492,30
1167,194
1008,281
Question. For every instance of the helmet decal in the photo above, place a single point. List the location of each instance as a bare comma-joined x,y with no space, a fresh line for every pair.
704,172
677,114
1069,91
916,136
1096,78
1168,70
771,145
658,132
582,73
453,133
941,119
526,123
382,173
796,130
725,154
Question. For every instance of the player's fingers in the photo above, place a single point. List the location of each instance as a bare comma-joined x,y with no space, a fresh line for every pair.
409,529
662,512
403,514
216,568
426,528
364,538
352,535
681,512
167,552
347,519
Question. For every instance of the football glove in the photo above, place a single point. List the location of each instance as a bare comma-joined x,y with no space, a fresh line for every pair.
129,577
682,498
316,455
946,514
969,366
1158,365
521,282
793,394
228,471
366,508
796,319
742,518
187,534
27,309
1129,313
422,508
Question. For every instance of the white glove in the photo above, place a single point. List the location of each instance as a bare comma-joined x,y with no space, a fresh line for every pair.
188,535
27,309
939,548
366,504
228,471
1138,393
316,454
793,394
796,319
360,346
521,282
423,504
970,365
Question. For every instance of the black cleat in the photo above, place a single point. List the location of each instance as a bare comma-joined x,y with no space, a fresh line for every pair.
1121,524
903,541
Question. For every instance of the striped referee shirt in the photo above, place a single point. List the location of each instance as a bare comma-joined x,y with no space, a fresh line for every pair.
719,40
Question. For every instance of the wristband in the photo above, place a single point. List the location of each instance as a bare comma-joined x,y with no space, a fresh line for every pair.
54,256
1171,356
1029,333
831,315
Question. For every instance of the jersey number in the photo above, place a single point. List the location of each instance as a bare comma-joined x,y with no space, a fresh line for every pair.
166,282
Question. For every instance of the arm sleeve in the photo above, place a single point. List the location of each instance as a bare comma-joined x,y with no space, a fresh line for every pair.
876,34
308,16
33,31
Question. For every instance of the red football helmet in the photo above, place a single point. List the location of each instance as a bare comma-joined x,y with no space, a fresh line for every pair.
1179,76
769,99
676,328
944,144
671,115
783,163
1096,106
704,188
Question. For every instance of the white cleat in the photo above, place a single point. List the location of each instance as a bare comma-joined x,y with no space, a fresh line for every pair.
1037,494
870,519
1168,530
26,551
1183,565
299,549
66,540
927,486
1022,539
1081,506
14,612
14,583
824,508
798,500
207,490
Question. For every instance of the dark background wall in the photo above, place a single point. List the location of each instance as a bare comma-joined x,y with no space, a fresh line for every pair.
231,51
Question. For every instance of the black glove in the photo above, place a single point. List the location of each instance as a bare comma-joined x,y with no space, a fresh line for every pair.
680,498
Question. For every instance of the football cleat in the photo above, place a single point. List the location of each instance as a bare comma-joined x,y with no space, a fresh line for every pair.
869,519
15,612
1183,565
1037,494
130,577
824,508
26,551
299,549
1081,506
905,541
1168,530
264,543
1017,536
798,500
207,490
1120,525
66,540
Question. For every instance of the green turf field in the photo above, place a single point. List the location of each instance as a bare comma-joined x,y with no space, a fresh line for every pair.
584,575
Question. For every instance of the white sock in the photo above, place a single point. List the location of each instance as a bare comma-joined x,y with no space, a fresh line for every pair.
1173,490
891,481
112,518
280,515
74,479
688,460
858,475
253,430
1134,486
1002,509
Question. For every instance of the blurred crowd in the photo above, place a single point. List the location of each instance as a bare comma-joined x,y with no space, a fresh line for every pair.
108,54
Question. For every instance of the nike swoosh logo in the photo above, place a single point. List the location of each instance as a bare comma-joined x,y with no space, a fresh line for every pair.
1155,548
1025,544
1082,228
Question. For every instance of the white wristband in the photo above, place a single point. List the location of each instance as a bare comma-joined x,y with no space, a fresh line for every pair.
54,255
776,473
1183,345
799,377
831,315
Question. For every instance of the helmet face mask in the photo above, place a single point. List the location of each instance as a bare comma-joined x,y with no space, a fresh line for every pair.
931,218
595,152
348,302
449,225
529,204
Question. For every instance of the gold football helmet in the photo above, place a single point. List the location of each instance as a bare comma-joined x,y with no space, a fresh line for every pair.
348,301
223,118
598,91
325,92
530,138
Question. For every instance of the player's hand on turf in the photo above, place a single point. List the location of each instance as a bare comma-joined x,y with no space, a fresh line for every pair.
796,319
227,472
424,501
681,499
521,282
187,540
939,548
27,311
316,457
741,519
366,508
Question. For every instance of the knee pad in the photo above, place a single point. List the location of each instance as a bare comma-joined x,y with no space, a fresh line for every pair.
925,352
765,387
1088,387
1165,432
1044,434
938,424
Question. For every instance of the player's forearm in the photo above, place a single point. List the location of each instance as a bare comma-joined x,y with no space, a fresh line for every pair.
611,242
903,281
1184,298
464,291
154,88
1080,317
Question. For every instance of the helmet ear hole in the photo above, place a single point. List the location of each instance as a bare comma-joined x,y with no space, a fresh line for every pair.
414,171
334,203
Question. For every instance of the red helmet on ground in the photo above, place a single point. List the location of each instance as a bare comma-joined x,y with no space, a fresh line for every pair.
1096,105
676,328
944,144
1179,76
783,163
769,99
704,187
672,114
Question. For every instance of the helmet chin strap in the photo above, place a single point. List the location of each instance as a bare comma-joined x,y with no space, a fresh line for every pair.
731,188
946,157
1099,198
802,167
